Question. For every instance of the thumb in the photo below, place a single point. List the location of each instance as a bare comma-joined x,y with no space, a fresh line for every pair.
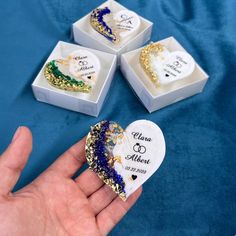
14,159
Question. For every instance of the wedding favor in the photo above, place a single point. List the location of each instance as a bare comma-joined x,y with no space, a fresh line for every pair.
75,78
162,73
164,67
112,28
78,72
125,159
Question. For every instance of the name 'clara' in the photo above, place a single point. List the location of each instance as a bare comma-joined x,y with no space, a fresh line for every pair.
140,136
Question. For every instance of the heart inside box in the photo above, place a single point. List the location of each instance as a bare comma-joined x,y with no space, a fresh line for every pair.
125,159
139,79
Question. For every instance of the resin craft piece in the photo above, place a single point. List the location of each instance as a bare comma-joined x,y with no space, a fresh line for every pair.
125,159
78,72
164,67
116,27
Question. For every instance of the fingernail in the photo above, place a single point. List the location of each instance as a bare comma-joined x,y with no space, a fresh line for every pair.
17,134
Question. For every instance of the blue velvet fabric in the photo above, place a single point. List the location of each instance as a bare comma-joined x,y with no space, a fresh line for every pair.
194,191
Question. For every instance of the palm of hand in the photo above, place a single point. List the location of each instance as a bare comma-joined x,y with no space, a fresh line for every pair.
55,204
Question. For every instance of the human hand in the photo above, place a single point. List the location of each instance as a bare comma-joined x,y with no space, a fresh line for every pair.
54,203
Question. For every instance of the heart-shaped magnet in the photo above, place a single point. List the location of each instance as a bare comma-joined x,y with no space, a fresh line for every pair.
164,67
78,72
125,159
116,27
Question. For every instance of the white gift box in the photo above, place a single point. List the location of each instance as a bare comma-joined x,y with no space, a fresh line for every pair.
90,103
85,35
155,98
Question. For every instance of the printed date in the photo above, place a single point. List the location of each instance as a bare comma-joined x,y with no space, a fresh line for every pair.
135,170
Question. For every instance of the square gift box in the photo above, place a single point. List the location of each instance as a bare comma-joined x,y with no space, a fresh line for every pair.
154,98
90,103
85,35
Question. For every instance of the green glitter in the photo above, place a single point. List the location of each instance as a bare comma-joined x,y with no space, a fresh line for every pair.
57,79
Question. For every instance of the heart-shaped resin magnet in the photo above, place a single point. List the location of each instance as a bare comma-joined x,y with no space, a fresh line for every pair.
164,67
78,72
125,159
116,27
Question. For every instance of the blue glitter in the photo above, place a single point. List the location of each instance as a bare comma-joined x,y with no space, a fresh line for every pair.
99,14
102,160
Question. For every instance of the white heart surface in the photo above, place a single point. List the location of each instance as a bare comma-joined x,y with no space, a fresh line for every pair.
142,150
125,159
178,65
127,23
84,64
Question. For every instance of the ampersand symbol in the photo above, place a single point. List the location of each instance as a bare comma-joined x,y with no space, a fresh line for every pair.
126,19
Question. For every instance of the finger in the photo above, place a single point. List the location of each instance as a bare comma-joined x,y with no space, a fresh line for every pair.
89,182
14,159
113,213
101,199
70,162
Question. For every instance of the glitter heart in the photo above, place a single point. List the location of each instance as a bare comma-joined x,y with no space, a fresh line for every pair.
78,72
116,27
164,67
125,159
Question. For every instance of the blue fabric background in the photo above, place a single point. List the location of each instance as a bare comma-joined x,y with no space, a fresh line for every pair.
194,191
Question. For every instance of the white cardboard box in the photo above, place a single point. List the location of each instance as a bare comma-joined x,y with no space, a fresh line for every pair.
156,98
89,104
85,35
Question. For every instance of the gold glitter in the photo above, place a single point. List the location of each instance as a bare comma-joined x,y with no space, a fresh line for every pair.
57,79
115,159
145,60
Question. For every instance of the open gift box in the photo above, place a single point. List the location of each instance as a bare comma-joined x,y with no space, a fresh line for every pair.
87,103
155,98
85,35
